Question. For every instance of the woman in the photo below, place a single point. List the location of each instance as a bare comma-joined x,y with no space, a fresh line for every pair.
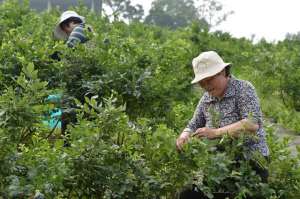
234,100
71,28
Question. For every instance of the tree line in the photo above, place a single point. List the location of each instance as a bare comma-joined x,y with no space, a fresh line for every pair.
164,13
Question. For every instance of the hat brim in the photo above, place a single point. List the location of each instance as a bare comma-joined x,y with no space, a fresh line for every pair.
59,33
198,78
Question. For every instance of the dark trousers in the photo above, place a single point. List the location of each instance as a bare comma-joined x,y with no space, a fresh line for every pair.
195,193
67,118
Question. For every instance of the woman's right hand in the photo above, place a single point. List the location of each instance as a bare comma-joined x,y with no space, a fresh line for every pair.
181,140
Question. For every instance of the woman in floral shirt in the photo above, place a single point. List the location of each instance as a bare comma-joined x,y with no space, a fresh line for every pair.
234,100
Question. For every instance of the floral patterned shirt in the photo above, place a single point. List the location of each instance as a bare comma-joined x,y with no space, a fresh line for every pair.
239,102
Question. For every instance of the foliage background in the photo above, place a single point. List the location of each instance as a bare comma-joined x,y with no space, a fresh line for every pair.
132,88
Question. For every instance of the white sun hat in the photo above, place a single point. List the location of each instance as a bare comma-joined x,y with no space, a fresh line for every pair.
58,32
207,64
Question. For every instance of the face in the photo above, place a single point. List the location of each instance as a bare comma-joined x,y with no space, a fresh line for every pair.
215,85
68,28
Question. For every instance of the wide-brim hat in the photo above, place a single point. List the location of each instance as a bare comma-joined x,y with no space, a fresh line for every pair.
58,32
207,64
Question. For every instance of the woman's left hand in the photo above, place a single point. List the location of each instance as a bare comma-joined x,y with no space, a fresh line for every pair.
206,132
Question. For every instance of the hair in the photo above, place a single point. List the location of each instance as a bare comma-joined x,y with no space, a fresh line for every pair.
227,70
75,20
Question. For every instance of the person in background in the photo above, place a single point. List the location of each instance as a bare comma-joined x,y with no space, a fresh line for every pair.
71,28
237,106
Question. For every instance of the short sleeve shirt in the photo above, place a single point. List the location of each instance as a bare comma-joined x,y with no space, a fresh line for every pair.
239,102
